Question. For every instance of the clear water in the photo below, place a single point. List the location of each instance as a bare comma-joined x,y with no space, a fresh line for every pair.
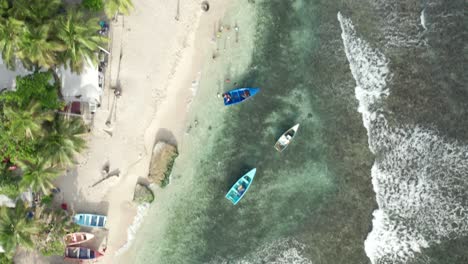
313,203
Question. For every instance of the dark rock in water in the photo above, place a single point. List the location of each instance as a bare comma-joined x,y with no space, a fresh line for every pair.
162,160
143,194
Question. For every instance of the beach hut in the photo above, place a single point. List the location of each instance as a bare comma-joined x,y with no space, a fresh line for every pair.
81,90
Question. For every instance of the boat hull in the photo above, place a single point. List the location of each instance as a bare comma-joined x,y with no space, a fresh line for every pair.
90,220
239,95
81,253
283,142
242,185
77,238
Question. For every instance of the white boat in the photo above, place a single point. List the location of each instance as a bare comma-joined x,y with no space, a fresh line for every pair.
285,139
77,238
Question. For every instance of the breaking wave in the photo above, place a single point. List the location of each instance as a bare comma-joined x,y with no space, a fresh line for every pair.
418,176
133,228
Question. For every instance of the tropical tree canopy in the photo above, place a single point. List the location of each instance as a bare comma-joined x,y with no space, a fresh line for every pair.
41,35
11,33
37,12
25,123
94,5
79,34
37,175
36,48
15,229
34,87
63,141
113,7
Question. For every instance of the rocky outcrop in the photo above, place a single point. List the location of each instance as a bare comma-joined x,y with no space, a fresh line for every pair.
143,194
162,160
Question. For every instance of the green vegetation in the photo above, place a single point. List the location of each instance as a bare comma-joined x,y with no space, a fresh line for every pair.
63,141
42,143
79,34
9,182
93,5
34,87
37,175
113,7
53,226
42,34
143,194
15,229
38,141
168,171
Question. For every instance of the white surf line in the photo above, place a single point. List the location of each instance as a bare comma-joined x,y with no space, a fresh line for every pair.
133,228
419,177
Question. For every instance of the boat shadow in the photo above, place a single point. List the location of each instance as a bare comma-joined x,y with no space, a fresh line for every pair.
235,173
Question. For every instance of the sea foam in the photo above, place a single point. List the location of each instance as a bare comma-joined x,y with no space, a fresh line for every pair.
133,228
418,176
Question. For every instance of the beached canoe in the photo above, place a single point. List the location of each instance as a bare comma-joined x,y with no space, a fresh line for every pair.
285,139
81,253
239,189
90,220
238,95
77,238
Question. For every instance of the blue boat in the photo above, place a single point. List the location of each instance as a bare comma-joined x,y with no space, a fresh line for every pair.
238,95
238,190
90,220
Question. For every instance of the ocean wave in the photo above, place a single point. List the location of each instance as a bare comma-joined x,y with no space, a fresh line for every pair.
369,68
133,228
418,176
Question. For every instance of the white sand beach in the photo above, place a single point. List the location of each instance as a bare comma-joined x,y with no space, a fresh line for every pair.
154,59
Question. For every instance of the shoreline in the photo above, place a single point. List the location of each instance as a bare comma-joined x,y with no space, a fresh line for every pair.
167,70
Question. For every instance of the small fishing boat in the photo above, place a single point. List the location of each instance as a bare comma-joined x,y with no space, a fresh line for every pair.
90,220
81,253
239,189
285,139
77,238
238,95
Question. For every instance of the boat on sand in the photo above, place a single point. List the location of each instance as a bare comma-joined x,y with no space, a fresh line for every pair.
77,238
90,220
239,189
81,253
285,139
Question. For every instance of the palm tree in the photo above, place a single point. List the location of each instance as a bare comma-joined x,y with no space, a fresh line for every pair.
37,175
63,141
113,7
36,49
25,123
35,12
4,6
80,37
15,229
11,32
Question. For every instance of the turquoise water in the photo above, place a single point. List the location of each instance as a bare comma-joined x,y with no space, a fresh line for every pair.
312,203
293,210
